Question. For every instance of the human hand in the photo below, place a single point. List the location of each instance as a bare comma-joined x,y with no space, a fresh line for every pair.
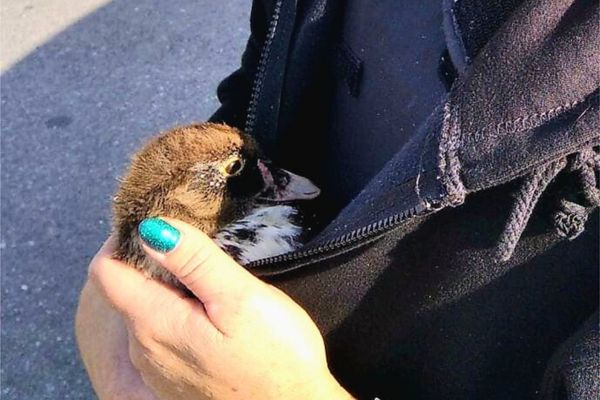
103,343
240,339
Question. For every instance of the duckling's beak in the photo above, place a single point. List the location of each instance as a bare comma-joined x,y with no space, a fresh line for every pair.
282,185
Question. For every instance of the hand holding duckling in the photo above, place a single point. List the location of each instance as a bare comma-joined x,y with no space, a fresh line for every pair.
239,338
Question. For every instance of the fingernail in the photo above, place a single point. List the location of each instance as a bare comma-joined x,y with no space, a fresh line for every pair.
159,235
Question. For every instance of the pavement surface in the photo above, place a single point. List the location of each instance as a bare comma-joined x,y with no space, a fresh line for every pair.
82,86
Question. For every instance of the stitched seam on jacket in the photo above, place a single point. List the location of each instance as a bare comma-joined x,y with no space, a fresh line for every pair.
526,122
452,140
586,141
448,160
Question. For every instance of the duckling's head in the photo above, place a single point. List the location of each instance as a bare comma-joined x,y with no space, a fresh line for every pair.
205,174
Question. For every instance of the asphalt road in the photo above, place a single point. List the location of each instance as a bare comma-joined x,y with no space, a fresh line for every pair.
73,109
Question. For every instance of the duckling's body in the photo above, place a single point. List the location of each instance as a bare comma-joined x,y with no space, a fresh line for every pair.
213,177
266,231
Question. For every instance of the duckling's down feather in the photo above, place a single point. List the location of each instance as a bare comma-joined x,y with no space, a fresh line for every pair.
267,231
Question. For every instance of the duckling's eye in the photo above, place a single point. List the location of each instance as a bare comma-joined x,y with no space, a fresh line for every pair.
234,166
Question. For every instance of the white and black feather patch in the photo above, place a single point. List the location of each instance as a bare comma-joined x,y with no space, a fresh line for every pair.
266,231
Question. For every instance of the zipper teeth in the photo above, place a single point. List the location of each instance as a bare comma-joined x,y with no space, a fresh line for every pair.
262,66
374,229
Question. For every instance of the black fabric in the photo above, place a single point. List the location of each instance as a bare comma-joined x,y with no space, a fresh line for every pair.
426,314
349,67
234,92
366,129
305,95
542,65
427,311
575,367
470,24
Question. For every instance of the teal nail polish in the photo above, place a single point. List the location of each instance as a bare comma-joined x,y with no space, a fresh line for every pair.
159,235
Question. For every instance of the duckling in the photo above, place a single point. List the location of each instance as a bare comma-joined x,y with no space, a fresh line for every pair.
215,178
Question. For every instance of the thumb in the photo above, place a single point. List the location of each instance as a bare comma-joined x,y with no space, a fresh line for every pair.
199,264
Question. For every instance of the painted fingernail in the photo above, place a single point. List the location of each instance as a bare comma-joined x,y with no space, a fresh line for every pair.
158,234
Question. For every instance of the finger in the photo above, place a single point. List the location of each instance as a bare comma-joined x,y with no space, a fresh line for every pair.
146,304
215,278
106,250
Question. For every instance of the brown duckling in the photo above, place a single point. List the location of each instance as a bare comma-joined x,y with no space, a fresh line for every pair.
213,177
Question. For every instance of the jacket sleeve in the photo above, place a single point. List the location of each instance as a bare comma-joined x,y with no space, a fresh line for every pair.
234,91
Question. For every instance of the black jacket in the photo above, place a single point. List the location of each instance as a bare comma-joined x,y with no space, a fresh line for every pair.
462,270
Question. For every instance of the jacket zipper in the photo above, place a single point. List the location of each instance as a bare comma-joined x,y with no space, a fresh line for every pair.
357,236
261,69
345,242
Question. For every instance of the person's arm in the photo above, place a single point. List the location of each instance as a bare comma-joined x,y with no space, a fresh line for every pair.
235,90
239,339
